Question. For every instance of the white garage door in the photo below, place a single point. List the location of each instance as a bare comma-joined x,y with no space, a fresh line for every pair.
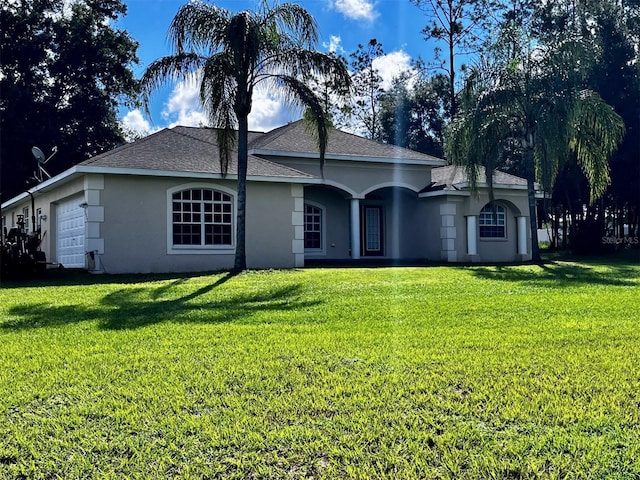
70,234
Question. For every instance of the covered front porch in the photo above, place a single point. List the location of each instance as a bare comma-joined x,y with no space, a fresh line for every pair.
386,225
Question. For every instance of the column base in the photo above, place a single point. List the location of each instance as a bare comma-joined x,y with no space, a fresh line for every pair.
450,256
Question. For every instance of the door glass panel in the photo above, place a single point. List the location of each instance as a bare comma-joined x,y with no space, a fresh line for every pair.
373,229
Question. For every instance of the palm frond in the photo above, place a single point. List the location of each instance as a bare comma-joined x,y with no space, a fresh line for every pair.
199,26
217,94
598,132
296,93
294,21
169,69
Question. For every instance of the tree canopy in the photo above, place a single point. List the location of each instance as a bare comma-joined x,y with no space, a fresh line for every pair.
64,72
537,101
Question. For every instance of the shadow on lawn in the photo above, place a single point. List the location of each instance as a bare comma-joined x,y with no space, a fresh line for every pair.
73,277
132,308
560,275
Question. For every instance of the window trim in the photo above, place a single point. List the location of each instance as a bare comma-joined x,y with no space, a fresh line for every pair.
27,222
200,249
504,213
323,229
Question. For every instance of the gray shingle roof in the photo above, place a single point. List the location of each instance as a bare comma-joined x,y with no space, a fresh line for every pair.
296,137
186,149
446,178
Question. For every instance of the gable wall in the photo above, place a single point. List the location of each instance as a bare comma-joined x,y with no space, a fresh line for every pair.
361,176
136,225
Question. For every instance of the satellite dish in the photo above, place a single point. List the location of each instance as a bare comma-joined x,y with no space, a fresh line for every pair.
38,154
42,159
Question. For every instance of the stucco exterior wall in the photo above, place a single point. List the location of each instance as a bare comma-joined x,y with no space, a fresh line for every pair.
502,250
450,244
270,227
430,210
336,221
136,223
404,223
46,201
360,177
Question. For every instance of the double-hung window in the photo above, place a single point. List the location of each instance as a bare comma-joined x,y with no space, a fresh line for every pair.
201,217
492,222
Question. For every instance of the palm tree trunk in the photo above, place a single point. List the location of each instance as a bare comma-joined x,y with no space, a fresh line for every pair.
531,194
240,263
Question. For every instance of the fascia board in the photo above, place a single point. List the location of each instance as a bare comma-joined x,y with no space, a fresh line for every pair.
197,175
45,186
87,169
506,186
444,193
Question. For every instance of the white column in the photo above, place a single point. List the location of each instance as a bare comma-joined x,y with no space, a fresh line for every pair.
472,240
522,235
355,228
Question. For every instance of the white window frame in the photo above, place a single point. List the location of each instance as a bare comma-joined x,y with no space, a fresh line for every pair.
323,229
200,249
501,212
25,213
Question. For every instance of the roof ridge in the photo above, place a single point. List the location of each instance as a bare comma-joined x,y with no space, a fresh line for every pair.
272,134
194,137
119,149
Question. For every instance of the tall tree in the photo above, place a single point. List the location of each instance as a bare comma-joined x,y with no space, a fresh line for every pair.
63,74
367,89
414,117
537,102
232,54
614,72
334,96
458,24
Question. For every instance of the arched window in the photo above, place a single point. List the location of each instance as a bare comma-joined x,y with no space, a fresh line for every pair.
201,217
313,224
492,222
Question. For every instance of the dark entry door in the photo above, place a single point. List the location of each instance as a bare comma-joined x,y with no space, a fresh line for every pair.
371,231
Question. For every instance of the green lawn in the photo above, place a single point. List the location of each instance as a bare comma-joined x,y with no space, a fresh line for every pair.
435,372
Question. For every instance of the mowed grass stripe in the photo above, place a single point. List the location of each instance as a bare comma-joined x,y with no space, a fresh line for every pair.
442,372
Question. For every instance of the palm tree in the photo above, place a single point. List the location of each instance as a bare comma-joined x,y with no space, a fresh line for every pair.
230,55
536,104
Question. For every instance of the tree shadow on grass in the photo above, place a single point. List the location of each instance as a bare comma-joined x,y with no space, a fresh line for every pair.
73,277
132,308
562,275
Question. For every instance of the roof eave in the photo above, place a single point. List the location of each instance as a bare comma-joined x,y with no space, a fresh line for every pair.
46,186
79,170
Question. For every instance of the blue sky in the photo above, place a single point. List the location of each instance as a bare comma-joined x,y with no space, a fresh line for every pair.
343,25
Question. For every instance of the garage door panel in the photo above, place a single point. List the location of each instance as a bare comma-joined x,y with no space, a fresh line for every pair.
70,235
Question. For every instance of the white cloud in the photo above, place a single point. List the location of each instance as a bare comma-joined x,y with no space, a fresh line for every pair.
135,125
391,65
334,45
356,9
183,106
269,112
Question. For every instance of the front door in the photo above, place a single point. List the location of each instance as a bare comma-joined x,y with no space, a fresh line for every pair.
371,231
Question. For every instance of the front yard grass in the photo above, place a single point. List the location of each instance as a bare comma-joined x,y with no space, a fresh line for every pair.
437,372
